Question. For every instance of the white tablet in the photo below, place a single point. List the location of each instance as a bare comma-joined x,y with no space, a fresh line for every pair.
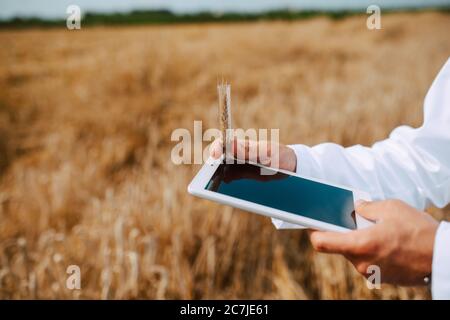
282,195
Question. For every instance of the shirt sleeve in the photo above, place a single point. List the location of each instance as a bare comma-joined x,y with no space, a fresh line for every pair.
440,284
412,165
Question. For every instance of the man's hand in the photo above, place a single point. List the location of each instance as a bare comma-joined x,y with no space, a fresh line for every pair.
259,152
400,243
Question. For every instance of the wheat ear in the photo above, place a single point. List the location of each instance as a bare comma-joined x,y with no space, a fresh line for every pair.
224,92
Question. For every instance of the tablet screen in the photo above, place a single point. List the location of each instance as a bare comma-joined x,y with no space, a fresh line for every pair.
285,192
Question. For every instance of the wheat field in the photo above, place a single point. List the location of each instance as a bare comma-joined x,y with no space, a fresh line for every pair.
85,172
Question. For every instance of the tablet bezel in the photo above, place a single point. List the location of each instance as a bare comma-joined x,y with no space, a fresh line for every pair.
197,187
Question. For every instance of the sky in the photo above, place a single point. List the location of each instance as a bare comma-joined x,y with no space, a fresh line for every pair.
57,8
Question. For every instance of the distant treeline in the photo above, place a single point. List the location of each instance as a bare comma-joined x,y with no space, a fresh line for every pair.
167,17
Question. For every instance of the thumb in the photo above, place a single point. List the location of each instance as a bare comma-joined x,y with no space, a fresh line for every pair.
372,210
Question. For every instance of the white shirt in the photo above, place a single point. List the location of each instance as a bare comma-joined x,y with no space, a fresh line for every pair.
413,165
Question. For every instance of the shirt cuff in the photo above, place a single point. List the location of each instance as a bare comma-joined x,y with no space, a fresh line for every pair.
440,283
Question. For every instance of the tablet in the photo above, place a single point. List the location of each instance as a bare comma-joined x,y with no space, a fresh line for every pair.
281,194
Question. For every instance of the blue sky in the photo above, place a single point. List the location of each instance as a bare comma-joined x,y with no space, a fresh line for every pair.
57,8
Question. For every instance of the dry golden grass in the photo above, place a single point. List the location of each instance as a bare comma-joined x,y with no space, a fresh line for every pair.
85,171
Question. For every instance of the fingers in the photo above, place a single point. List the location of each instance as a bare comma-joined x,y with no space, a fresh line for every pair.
355,243
358,243
244,149
333,242
264,152
374,210
216,149
239,149
353,246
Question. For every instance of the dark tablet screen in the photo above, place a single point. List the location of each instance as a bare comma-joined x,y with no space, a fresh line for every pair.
285,192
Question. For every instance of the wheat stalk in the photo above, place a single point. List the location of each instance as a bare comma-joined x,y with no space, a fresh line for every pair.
224,93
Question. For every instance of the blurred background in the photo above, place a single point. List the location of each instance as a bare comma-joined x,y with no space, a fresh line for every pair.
86,117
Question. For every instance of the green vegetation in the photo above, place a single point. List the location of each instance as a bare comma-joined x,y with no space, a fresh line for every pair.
167,17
